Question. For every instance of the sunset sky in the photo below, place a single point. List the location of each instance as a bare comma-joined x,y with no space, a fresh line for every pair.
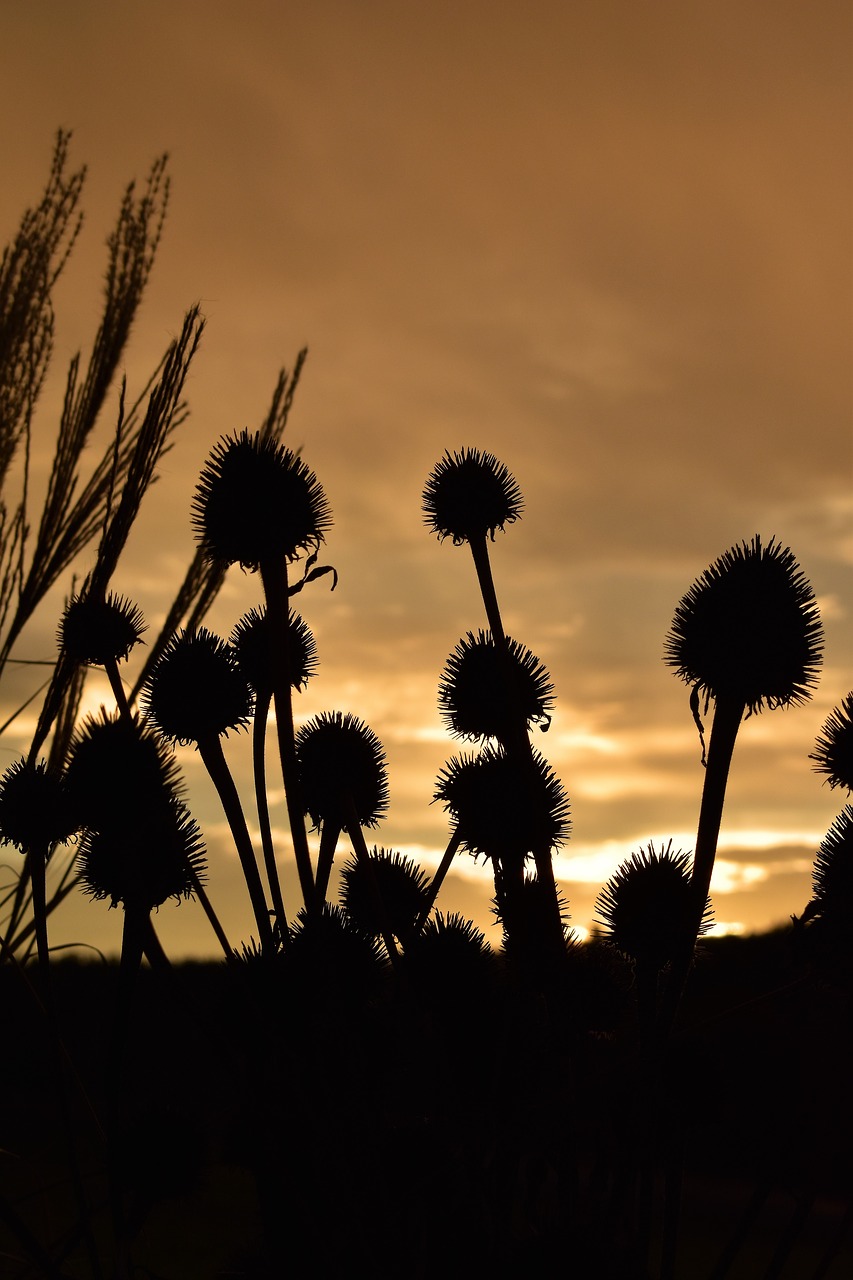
609,243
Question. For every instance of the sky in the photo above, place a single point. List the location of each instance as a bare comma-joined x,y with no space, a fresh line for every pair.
609,244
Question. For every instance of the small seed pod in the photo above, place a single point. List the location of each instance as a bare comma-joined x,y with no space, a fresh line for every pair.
749,629
403,890
504,808
644,909
257,500
196,689
252,641
36,807
95,631
833,753
156,854
473,698
470,495
339,756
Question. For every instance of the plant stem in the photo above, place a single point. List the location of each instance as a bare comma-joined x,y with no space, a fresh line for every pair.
210,750
356,835
274,580
438,879
329,836
259,735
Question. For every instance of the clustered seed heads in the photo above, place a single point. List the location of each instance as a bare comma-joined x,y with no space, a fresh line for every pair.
96,631
338,758
833,753
196,689
253,643
644,908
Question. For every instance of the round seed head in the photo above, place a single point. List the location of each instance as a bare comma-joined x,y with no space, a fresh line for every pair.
117,769
749,628
470,495
833,753
196,689
257,500
36,808
403,889
252,641
95,631
473,697
339,756
644,908
157,854
504,808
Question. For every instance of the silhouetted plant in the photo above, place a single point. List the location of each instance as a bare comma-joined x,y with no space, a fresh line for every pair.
403,888
473,698
833,753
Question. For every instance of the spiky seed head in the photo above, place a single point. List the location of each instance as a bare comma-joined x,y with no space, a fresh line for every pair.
470,495
196,689
253,642
833,753
644,909
473,698
504,808
339,756
832,875
749,628
94,630
117,768
36,807
159,854
403,891
256,500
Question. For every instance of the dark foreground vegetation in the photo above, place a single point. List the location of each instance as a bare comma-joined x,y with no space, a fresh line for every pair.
364,1086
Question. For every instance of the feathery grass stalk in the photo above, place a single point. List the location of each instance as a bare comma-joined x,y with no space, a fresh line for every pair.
274,579
210,750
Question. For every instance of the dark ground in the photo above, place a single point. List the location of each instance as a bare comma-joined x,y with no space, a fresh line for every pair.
274,1123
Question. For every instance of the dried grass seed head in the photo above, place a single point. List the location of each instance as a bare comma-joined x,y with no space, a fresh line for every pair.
338,756
196,689
253,642
256,500
833,753
749,628
95,630
470,495
644,909
36,807
473,698
504,808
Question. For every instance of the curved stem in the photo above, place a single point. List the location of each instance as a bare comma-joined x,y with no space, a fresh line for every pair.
207,907
259,736
210,750
274,580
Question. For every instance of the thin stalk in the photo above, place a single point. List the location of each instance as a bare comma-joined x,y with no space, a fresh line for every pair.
519,742
274,581
210,750
259,736
438,879
728,714
117,687
207,907
329,836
